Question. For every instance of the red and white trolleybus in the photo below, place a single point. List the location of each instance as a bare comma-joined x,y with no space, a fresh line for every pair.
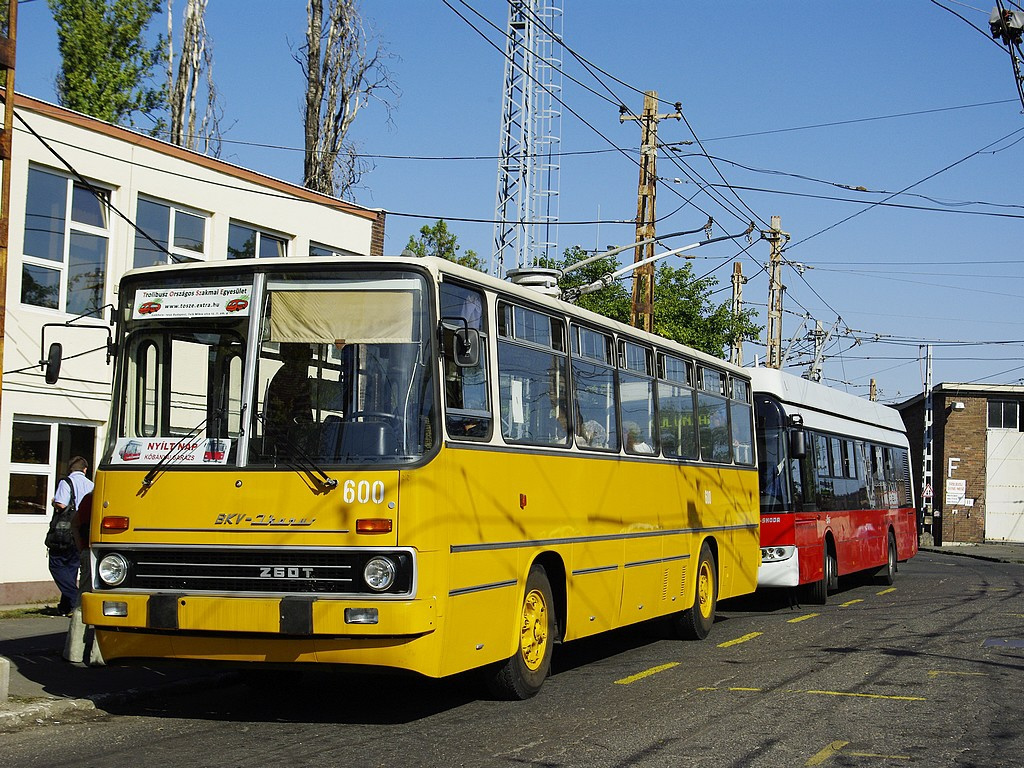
836,492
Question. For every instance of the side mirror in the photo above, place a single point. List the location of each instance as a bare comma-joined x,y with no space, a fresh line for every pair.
467,347
52,363
797,444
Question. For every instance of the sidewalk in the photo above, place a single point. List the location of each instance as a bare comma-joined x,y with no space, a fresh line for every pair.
998,552
43,685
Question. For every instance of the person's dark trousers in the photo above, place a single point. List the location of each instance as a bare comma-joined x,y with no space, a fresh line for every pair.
64,569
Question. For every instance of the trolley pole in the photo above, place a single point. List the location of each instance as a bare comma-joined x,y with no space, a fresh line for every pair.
642,314
736,345
776,239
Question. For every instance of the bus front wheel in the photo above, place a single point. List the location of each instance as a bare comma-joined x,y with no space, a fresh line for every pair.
695,623
521,676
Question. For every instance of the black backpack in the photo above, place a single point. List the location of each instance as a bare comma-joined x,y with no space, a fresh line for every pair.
60,537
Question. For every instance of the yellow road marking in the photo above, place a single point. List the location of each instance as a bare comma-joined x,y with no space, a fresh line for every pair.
739,640
850,602
805,617
887,591
864,695
646,673
836,746
884,757
816,693
937,672
827,752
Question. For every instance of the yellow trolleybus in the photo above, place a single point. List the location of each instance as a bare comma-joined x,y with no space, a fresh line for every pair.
404,463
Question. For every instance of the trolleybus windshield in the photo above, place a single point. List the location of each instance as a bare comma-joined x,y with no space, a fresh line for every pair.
272,372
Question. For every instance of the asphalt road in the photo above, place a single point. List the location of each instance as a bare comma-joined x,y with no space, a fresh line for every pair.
926,672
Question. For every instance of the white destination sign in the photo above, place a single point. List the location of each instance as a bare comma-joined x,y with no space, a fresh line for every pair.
196,451
215,301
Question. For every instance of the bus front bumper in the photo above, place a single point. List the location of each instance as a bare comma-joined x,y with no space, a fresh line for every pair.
779,571
294,617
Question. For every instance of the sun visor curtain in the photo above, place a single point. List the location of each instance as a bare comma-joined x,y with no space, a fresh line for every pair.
342,317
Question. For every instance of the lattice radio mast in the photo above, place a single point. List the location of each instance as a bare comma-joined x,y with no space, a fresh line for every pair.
526,204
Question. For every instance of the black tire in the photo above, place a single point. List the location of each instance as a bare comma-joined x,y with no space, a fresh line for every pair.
522,676
817,593
695,623
887,575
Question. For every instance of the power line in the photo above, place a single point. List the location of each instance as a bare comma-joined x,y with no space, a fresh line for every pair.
907,188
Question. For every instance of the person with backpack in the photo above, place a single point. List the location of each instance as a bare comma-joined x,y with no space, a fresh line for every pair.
64,539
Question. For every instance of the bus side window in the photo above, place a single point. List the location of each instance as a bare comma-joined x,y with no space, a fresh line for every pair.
532,377
824,489
676,409
466,391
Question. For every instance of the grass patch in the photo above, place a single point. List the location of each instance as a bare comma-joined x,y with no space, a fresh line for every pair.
25,612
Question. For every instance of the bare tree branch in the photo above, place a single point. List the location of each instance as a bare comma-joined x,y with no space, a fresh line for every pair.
345,67
194,72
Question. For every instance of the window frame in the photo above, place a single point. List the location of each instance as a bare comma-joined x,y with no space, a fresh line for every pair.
180,252
261,233
1002,404
71,227
55,460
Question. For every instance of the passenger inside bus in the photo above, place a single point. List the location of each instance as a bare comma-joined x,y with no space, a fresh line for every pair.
288,411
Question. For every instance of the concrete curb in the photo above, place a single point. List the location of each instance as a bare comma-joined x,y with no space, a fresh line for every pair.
966,552
14,715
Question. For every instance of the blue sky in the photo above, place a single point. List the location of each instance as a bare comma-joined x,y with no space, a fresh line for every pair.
800,103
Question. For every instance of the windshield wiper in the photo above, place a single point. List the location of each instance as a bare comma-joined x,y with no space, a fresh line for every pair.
147,481
302,461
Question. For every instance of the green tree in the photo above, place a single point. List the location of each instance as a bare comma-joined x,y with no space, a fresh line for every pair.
683,309
437,240
106,64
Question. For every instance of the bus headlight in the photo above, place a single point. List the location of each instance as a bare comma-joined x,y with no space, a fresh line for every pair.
113,570
776,554
379,573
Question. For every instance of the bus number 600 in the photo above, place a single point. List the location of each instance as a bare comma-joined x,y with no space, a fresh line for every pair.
364,491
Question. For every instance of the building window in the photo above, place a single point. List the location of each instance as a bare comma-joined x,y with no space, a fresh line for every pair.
176,231
66,241
327,251
1002,414
40,453
246,242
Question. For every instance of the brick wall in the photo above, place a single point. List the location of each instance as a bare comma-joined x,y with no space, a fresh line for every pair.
964,436
377,236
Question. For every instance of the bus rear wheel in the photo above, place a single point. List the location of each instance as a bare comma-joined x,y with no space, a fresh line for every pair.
695,623
817,593
522,676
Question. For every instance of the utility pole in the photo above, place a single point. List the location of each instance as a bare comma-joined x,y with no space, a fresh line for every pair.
7,56
873,392
927,535
736,345
776,239
642,315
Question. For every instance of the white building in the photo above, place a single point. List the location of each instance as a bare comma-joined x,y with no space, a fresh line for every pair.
67,250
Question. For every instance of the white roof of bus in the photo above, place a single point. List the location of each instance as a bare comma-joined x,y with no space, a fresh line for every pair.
438,265
830,410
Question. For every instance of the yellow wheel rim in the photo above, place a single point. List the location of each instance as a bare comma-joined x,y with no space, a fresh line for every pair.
705,589
534,638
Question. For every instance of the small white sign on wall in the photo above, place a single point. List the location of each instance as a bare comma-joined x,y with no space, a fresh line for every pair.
956,491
